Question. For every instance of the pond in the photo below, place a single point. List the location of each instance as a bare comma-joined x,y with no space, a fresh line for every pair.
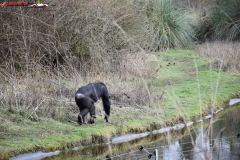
215,138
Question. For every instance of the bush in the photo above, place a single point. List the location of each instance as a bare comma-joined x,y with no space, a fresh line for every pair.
226,20
223,22
87,36
169,26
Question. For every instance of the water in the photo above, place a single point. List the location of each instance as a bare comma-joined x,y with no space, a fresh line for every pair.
217,140
35,156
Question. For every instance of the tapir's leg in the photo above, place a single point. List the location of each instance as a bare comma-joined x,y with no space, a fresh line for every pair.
85,119
82,116
92,114
106,104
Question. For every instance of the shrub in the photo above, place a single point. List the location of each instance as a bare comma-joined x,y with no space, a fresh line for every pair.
226,20
169,26
223,22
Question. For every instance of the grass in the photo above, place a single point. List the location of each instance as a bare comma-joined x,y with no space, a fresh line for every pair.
181,85
169,25
174,98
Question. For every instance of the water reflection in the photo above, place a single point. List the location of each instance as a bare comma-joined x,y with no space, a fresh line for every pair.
173,151
222,149
34,156
216,141
202,145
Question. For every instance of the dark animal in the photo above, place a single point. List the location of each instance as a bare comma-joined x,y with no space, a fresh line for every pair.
85,98
238,135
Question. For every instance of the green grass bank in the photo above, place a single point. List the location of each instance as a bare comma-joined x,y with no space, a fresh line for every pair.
184,86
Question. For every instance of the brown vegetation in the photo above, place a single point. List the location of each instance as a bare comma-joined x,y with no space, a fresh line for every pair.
224,55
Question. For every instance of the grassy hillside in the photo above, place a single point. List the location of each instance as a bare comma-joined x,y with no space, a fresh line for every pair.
182,87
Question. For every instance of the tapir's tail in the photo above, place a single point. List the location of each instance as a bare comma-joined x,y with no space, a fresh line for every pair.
79,95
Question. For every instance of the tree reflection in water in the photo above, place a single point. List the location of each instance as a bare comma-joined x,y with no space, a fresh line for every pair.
202,148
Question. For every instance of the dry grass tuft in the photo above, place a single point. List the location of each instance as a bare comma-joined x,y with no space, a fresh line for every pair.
130,94
36,96
224,54
141,64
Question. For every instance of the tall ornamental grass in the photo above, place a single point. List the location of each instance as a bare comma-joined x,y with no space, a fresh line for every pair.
169,25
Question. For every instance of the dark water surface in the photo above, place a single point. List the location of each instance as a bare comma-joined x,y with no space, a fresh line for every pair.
212,139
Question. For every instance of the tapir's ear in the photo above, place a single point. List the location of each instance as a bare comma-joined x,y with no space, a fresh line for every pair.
79,95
